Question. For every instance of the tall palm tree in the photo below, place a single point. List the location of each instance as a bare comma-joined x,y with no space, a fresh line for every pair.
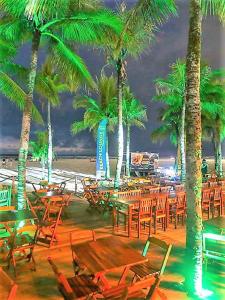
59,23
139,24
134,114
97,110
171,91
213,121
58,87
193,153
193,141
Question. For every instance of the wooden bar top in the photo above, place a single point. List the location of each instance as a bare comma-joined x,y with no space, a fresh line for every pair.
107,254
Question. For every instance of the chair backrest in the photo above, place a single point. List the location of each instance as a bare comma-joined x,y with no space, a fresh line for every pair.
145,206
165,189
180,200
8,286
217,193
179,188
205,185
62,281
149,245
161,202
206,195
213,183
130,194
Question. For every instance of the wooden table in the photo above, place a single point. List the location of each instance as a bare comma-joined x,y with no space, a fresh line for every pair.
105,255
14,216
217,224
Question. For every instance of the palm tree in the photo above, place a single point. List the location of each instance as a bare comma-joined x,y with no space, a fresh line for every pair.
39,149
58,87
170,127
59,23
134,114
193,142
171,91
139,24
98,110
213,121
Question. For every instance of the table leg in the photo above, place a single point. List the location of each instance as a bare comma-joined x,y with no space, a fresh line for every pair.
101,277
124,275
129,220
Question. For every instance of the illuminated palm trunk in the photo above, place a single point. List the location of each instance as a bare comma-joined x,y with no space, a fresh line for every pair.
120,123
182,144
50,150
128,152
193,262
26,123
218,153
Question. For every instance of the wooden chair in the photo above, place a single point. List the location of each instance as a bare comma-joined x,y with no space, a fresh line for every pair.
135,290
129,194
8,288
165,189
22,241
78,267
160,211
179,188
213,184
77,287
206,202
216,201
178,208
155,266
213,246
47,228
205,185
143,215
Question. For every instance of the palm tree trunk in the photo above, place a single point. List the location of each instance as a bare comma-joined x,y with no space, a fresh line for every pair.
193,263
218,154
128,152
107,158
26,123
182,144
43,167
178,159
120,123
50,150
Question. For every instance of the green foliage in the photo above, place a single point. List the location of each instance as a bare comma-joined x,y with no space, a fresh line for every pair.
134,113
97,110
59,23
39,147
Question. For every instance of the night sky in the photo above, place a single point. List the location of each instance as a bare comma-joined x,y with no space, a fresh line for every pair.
170,44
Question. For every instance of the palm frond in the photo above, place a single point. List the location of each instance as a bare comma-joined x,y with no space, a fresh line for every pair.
67,62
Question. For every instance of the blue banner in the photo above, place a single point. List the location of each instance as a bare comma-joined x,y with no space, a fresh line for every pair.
101,165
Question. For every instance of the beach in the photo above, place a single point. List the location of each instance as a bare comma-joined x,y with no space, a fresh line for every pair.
87,165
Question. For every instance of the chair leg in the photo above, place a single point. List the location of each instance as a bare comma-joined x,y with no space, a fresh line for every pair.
175,220
155,224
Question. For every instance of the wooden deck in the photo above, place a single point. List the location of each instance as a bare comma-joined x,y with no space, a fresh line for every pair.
79,219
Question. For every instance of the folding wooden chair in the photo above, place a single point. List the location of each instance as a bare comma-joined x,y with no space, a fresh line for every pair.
47,228
152,268
77,287
23,242
135,290
8,287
